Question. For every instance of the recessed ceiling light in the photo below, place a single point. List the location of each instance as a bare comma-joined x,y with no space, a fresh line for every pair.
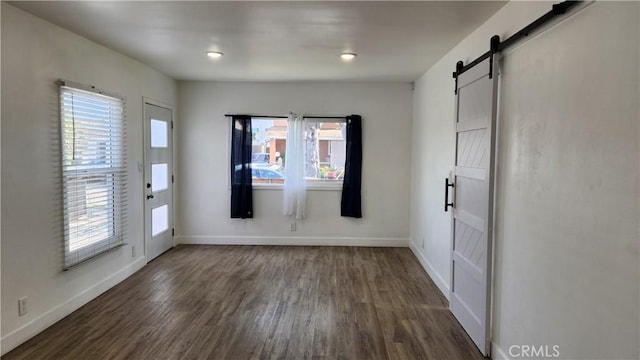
214,54
348,56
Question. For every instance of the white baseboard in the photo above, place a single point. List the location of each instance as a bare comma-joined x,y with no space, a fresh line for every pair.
35,326
435,276
292,241
497,353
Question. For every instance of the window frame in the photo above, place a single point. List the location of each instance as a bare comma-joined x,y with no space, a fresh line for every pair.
113,171
320,184
311,184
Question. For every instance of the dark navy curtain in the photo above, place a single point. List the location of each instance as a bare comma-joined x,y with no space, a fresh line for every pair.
351,194
241,189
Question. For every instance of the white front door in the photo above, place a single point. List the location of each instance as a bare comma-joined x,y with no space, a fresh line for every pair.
158,176
471,253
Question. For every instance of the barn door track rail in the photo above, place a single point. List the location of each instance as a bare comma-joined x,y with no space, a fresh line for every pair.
496,45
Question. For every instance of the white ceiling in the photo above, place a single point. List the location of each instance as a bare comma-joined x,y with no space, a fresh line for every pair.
274,41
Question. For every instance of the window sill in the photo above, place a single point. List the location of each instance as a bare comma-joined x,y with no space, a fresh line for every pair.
314,187
336,187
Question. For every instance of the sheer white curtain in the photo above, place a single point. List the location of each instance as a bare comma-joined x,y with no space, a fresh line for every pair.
294,193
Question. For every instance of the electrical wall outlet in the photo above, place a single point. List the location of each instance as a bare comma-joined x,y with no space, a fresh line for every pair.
293,226
22,306
133,251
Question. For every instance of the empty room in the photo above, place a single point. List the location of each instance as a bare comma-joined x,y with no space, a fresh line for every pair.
320,180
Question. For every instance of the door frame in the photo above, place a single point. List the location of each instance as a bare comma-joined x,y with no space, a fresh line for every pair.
147,100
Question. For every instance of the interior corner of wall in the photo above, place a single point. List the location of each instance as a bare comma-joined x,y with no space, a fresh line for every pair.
437,278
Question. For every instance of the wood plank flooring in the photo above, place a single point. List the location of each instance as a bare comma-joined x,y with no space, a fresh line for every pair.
263,302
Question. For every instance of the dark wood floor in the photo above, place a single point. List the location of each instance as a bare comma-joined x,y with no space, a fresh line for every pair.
267,302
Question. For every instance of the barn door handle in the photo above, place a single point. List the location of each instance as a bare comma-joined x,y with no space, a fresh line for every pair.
446,194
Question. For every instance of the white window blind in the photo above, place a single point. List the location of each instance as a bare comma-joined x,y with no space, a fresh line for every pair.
93,172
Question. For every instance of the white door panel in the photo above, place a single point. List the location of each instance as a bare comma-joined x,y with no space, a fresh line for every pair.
158,180
473,203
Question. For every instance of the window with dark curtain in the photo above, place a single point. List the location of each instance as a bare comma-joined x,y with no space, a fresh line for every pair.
241,188
351,192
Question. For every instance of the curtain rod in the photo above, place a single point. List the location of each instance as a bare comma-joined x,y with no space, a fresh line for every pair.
285,117
260,116
324,117
497,45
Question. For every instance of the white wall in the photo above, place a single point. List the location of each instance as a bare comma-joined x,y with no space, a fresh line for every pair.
34,54
203,194
566,262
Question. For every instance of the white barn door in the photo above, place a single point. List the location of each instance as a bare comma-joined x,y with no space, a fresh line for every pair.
471,253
